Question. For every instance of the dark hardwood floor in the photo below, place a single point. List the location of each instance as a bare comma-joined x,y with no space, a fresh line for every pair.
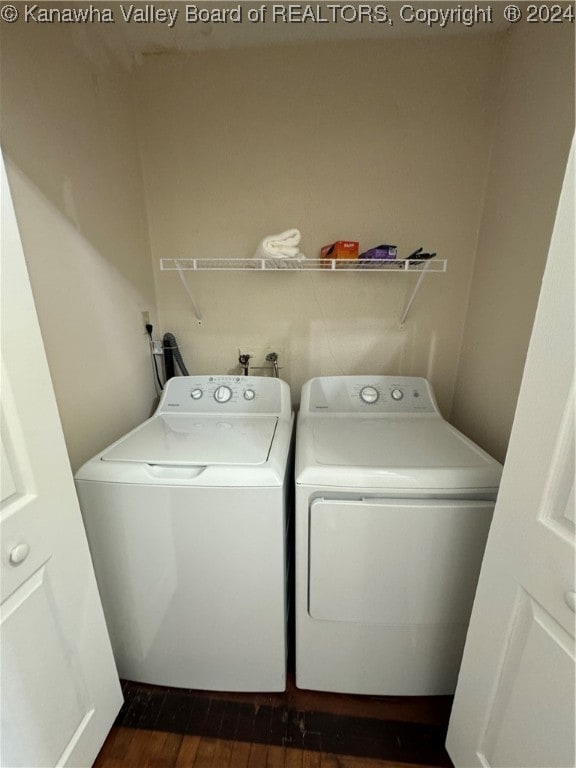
178,728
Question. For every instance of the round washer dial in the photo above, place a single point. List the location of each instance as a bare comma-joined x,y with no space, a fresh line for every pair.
222,394
249,394
397,394
369,394
196,393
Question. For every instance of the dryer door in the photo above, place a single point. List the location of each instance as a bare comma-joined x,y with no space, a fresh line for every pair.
396,562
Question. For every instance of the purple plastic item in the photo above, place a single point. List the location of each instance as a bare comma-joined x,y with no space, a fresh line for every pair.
381,252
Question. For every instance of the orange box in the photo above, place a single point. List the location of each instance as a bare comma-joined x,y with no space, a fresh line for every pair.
341,249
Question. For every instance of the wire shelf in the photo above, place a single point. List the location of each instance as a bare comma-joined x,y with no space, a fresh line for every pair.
306,265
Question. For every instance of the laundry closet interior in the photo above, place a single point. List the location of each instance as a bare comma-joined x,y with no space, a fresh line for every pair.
129,145
126,145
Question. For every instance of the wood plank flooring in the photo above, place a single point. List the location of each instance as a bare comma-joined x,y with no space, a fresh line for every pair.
128,747
177,728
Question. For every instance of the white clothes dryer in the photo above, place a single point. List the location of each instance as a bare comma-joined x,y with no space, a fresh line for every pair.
393,507
187,521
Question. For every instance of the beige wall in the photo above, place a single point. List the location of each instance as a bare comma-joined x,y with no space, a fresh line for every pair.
74,168
532,139
369,141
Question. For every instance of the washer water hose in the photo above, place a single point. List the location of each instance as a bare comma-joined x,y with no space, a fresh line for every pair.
168,359
171,354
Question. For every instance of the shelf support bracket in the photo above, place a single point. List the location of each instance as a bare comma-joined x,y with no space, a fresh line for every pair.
410,301
190,296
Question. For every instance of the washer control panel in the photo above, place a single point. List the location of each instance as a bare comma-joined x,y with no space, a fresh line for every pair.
225,394
368,394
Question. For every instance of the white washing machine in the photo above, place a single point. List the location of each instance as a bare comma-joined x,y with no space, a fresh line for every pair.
393,507
186,519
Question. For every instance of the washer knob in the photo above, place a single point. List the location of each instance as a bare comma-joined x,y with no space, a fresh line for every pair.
249,394
196,394
369,394
222,394
397,394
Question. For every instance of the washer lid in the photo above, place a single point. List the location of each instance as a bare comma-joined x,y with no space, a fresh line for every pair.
179,440
398,451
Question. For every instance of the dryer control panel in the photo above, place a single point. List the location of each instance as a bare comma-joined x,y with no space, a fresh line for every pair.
368,394
226,394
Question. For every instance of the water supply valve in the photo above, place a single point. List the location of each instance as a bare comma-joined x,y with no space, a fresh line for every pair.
272,357
244,361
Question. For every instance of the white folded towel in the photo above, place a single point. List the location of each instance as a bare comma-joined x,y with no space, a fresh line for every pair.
282,246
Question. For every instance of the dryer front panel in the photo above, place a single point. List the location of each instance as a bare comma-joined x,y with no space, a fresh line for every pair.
398,563
384,590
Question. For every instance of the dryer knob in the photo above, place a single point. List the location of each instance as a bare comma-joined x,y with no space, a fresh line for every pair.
249,394
369,394
397,394
222,394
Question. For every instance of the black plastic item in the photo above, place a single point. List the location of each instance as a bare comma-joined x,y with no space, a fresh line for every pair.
168,357
418,255
171,345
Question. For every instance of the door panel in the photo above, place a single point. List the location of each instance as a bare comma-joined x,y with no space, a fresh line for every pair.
25,528
8,487
60,703
60,690
532,702
558,508
398,563
514,705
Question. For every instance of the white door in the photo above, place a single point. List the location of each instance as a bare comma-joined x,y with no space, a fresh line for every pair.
514,703
59,688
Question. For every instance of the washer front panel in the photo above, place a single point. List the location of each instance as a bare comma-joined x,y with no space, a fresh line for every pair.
192,582
186,520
